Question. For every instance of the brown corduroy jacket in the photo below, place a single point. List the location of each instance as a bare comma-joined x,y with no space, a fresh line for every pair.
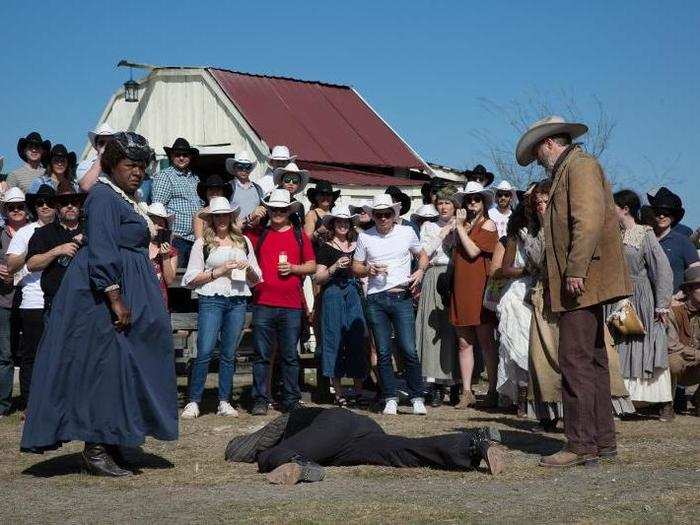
582,234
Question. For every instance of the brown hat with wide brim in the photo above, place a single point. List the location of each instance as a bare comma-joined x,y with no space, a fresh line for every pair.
691,277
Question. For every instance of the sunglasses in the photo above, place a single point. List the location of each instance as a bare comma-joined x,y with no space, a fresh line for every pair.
15,207
293,179
473,198
383,214
244,167
500,194
75,202
41,203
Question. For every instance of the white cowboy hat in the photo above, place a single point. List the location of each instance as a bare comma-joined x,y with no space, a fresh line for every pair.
103,130
242,157
280,198
339,211
13,195
281,153
504,185
426,211
157,209
471,188
383,202
294,169
220,206
540,130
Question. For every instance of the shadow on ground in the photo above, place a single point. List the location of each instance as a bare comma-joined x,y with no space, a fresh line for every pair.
70,464
523,440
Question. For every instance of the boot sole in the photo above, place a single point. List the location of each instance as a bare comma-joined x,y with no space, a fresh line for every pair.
588,463
495,460
287,474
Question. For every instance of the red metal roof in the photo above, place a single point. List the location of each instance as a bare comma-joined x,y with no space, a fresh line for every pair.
319,122
349,177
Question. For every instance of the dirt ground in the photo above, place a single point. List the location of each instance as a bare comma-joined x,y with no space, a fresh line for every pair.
655,480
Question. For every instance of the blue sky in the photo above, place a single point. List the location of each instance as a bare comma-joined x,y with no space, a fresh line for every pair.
422,65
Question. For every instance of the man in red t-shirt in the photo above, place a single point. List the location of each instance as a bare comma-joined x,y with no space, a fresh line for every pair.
285,256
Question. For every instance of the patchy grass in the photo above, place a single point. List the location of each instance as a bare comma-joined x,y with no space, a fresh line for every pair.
655,480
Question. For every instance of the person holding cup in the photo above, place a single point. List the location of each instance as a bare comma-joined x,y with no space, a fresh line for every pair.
221,269
384,253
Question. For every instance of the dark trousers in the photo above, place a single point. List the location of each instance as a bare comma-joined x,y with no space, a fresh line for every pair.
183,247
32,330
339,437
282,325
583,360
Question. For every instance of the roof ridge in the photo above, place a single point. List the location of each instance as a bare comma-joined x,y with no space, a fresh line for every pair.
280,77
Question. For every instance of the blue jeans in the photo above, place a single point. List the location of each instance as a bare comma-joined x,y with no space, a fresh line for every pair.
384,310
283,325
183,247
342,331
219,318
7,368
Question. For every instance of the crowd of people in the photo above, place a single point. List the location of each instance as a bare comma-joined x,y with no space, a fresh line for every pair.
579,303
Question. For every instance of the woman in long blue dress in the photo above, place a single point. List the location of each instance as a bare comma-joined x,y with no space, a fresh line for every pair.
105,372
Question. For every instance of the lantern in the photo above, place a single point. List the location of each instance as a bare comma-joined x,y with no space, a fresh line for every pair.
131,91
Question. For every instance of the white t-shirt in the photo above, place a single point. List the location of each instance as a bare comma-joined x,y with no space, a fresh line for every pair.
266,182
501,220
393,249
32,296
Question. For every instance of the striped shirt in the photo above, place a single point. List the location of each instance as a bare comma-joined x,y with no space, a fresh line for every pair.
177,191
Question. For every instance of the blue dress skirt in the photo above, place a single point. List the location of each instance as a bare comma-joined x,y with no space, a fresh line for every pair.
90,382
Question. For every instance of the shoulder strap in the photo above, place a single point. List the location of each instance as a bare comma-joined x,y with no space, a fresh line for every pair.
257,187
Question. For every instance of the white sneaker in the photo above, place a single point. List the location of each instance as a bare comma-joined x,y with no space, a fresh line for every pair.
390,408
419,407
191,411
225,409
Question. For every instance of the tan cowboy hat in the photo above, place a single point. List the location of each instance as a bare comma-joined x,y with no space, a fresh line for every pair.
540,130
474,187
220,206
691,277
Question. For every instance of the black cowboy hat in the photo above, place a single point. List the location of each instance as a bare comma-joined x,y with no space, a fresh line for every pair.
665,198
480,171
45,192
181,144
398,196
32,138
213,181
59,150
432,186
322,187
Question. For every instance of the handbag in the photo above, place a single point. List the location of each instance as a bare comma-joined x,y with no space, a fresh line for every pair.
625,319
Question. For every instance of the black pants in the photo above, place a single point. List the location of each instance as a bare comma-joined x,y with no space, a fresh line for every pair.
32,330
339,437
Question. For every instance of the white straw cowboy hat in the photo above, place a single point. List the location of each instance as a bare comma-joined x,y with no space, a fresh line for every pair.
280,198
504,185
281,153
157,209
242,158
540,130
471,188
426,211
339,211
13,195
293,169
103,130
220,206
383,202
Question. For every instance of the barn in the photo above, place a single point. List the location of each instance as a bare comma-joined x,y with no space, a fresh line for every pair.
334,132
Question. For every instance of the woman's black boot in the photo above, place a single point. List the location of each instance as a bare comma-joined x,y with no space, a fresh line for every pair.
98,462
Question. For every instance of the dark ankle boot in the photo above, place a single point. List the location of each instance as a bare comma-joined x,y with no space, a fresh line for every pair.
98,462
522,401
485,445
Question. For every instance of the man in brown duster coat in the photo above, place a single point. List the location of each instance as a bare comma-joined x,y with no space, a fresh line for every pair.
586,269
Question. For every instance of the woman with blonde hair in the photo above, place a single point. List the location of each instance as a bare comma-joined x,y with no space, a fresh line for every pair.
221,269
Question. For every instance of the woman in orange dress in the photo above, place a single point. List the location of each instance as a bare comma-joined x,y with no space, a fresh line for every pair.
477,238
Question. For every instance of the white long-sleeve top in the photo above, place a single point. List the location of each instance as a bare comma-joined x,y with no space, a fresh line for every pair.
224,285
433,244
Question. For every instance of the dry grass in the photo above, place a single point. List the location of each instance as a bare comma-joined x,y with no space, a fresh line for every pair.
655,480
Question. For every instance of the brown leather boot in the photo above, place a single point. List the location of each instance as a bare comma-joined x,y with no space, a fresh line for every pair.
468,399
666,412
564,459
